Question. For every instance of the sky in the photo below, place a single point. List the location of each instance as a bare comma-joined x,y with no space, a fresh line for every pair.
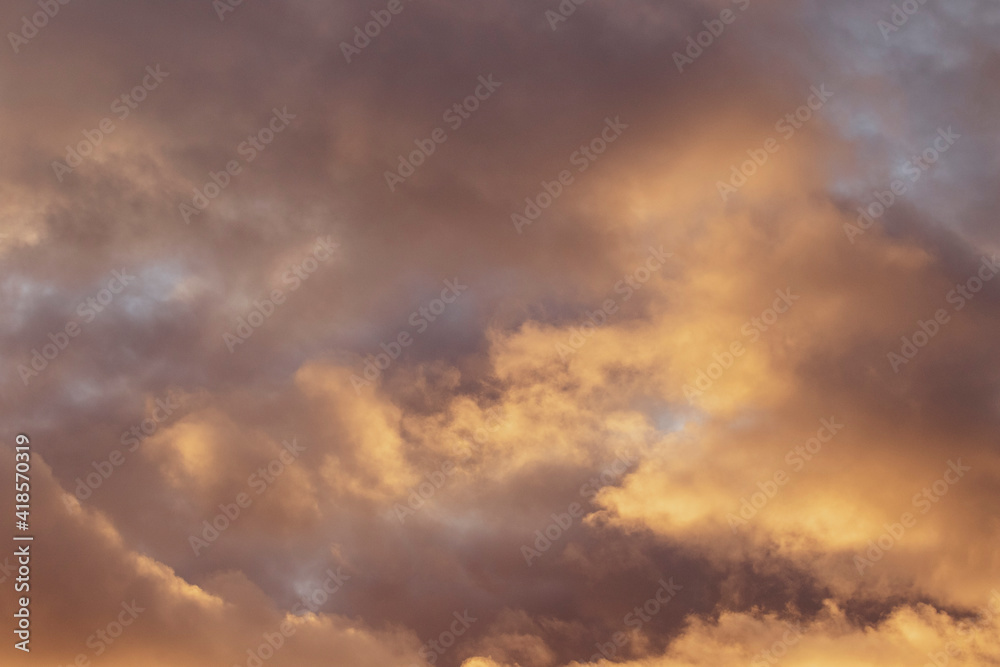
501,333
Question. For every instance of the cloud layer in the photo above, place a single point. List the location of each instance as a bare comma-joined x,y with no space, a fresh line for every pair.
504,334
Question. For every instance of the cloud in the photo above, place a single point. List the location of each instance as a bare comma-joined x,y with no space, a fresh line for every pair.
651,381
